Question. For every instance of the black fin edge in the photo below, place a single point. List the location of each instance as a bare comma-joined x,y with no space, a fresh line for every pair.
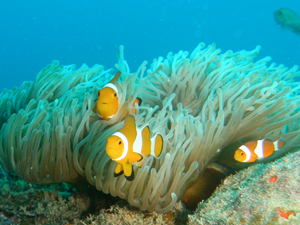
140,100
141,158
162,145
130,178
118,174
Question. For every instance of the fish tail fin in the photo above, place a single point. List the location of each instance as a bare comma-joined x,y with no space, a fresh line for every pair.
158,145
138,101
278,144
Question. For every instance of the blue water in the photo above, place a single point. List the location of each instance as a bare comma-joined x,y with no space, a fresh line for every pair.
33,33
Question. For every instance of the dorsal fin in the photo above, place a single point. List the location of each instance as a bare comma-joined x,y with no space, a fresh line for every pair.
116,77
129,122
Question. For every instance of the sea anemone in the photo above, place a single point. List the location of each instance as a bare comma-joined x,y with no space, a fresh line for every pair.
200,104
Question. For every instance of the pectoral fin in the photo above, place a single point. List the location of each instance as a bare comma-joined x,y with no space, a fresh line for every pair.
135,157
253,158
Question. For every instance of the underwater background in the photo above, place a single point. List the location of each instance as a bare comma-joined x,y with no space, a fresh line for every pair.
33,33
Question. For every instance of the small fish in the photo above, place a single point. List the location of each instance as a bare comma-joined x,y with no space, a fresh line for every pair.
108,100
288,19
131,145
259,149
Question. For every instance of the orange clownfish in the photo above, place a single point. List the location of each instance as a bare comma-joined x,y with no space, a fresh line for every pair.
130,145
108,102
259,149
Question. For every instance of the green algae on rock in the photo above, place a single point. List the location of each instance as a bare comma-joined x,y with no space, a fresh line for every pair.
250,197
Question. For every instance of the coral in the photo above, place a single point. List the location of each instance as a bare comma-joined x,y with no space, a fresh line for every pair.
122,213
202,105
24,203
247,197
250,197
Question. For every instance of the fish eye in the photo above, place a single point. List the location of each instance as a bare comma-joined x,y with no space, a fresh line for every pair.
98,93
115,94
120,142
242,153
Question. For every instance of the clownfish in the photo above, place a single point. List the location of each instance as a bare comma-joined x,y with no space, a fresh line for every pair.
131,145
108,102
259,149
